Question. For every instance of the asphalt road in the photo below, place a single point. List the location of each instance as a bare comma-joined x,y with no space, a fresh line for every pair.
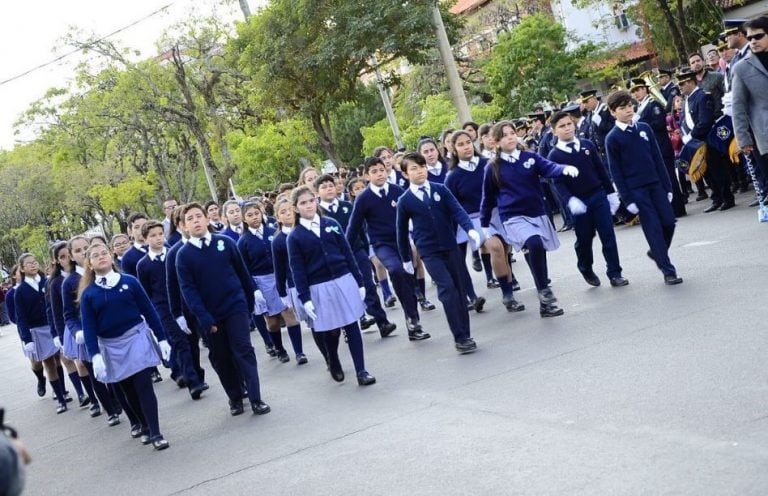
645,389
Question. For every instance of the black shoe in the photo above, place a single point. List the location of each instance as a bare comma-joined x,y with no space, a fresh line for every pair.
477,264
412,325
260,408
418,335
336,373
386,328
136,431
617,282
84,400
156,377
390,302
113,420
160,444
672,279
727,205
41,388
712,208
492,284
67,397
478,304
94,411
591,278
649,254
196,392
515,284
701,197
550,310
145,439
282,355
365,379
181,382
547,296
271,351
235,407
426,305
61,408
366,322
204,386
512,305
301,359
245,394
466,346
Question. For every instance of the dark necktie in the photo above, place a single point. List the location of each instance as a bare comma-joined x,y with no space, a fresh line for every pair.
425,194
382,192
572,146
333,208
103,282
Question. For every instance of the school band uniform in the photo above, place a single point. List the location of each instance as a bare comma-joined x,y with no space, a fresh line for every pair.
434,212
326,274
218,290
255,246
118,323
151,272
341,212
376,208
594,189
640,176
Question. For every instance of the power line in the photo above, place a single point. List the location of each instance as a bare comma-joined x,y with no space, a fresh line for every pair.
71,52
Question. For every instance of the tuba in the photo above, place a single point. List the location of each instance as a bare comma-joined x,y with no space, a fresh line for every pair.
653,88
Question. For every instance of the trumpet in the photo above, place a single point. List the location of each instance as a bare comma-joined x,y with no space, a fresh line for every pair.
653,87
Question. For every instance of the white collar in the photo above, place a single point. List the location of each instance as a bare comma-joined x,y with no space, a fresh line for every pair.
184,240
236,228
328,205
376,189
286,229
33,281
435,169
79,270
510,157
469,165
310,223
257,232
198,242
416,190
152,255
562,145
622,125
65,274
392,176
111,279
489,154
139,246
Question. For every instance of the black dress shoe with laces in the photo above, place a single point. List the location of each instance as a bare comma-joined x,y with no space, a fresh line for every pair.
260,408
365,379
591,278
672,279
426,305
160,444
617,282
386,328
512,305
196,392
466,346
418,335
366,322
235,408
727,206
94,410
301,359
136,431
390,302
712,208
282,355
113,420
492,284
478,304
477,264
550,310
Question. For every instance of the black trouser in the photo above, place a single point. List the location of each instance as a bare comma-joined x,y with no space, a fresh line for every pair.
719,176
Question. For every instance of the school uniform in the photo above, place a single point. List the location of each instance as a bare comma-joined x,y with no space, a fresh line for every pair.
131,257
216,286
434,211
640,176
375,208
174,238
233,232
283,276
437,172
119,321
215,227
397,177
152,276
591,186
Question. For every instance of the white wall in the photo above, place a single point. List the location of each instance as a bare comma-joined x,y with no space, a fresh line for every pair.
596,23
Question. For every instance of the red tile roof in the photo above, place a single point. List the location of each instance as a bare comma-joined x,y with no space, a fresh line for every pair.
464,5
636,52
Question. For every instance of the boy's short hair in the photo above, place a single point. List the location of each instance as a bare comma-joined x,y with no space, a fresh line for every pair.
191,206
414,157
285,187
325,178
208,205
371,161
619,99
558,116
149,225
134,217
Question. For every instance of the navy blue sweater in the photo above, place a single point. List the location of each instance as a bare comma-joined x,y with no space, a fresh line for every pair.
69,302
30,309
342,215
379,215
520,191
593,175
56,305
467,186
174,238
283,275
400,180
175,302
438,178
151,274
433,222
635,160
257,252
130,258
214,281
315,260
110,312
230,233
10,305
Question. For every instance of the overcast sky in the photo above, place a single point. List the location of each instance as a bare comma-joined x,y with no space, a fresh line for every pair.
30,34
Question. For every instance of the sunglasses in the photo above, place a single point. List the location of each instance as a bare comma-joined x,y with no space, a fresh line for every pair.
758,37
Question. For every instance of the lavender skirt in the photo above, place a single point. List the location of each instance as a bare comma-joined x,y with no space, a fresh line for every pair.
72,350
461,235
298,306
518,229
130,353
272,305
337,303
44,347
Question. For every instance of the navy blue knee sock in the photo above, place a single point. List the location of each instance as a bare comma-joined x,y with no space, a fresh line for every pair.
58,389
486,259
506,287
145,394
294,333
75,380
261,325
355,343
320,342
88,386
422,285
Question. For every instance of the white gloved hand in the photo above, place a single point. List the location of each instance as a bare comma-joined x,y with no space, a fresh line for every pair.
57,342
79,337
165,350
362,293
728,104
576,206
687,138
614,203
29,347
669,197
309,308
408,267
182,323
632,208
259,299
99,367
475,237
570,170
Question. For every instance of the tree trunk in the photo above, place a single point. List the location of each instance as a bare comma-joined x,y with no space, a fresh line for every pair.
246,9
674,31
324,137
682,23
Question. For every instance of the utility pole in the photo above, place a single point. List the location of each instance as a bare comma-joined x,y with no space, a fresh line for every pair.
387,105
246,9
446,53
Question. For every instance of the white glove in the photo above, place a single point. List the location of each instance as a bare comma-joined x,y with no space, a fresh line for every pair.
57,342
632,208
79,337
99,367
570,170
165,350
182,323
686,138
728,104
475,237
614,203
29,347
362,293
258,297
309,308
576,206
408,267
669,197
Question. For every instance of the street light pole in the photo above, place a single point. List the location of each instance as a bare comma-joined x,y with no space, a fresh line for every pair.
387,105
446,53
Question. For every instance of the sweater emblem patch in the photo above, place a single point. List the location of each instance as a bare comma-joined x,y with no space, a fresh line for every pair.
644,135
528,163
220,245
345,209
394,204
335,229
436,197
586,152
270,238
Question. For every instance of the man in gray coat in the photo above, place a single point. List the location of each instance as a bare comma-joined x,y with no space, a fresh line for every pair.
750,96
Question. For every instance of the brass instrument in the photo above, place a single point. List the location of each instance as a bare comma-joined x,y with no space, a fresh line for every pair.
653,87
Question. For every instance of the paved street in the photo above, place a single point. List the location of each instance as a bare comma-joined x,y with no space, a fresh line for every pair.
645,389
